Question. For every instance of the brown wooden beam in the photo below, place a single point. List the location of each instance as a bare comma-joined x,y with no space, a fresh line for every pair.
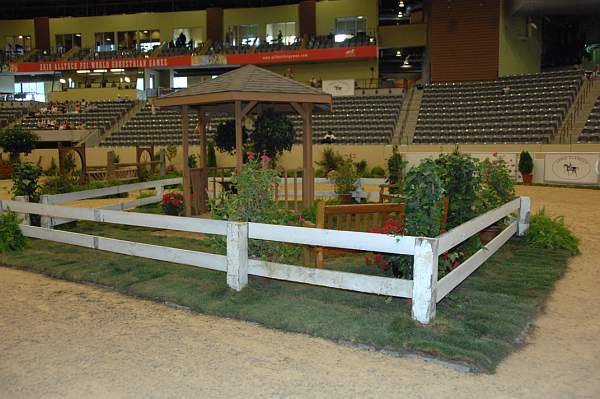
239,138
248,107
308,176
187,184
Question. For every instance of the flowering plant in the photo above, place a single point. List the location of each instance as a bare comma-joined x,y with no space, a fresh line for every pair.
172,203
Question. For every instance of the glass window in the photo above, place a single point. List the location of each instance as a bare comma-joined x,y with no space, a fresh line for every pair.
287,30
66,41
30,91
348,27
126,40
148,38
105,41
18,43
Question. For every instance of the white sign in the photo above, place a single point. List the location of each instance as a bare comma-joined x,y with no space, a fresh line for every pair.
342,87
570,168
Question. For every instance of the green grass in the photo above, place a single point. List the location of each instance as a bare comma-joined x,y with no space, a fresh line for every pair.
478,324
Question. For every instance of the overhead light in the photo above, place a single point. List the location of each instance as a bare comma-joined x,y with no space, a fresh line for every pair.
398,53
83,71
127,80
406,64
400,14
70,80
401,3
360,17
78,34
108,39
533,25
214,76
117,70
145,31
20,36
121,80
62,80
100,70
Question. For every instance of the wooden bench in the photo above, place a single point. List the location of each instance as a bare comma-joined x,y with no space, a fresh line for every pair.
360,217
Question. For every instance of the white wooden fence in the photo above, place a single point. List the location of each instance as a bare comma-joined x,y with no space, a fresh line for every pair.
425,289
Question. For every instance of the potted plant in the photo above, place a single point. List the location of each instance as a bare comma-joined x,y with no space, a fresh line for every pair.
17,140
496,189
172,203
344,180
526,167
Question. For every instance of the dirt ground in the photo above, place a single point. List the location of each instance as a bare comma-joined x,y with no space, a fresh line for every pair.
60,339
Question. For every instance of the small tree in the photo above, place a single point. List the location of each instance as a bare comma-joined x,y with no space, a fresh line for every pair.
330,160
525,163
273,134
16,141
396,166
225,136
25,181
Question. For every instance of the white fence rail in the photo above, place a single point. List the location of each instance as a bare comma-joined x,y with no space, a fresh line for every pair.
425,289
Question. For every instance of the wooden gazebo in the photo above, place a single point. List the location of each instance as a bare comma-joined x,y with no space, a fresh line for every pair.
242,92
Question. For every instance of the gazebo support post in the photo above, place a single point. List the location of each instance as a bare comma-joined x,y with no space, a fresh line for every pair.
187,187
202,121
308,175
239,138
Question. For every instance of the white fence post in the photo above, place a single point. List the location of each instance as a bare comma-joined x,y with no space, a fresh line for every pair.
26,219
45,221
524,212
159,191
425,276
237,255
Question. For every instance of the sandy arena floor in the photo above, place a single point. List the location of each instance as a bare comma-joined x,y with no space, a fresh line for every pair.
60,339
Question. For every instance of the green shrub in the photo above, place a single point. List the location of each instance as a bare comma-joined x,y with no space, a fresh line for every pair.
192,161
330,160
25,181
344,177
11,238
273,134
17,140
396,166
362,168
525,163
377,172
551,233
460,180
497,186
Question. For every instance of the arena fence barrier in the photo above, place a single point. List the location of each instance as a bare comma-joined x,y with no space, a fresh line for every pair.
425,289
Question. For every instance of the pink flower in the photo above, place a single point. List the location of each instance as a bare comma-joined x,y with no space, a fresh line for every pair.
251,155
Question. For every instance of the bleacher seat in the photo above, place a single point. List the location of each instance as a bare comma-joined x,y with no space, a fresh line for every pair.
591,131
530,111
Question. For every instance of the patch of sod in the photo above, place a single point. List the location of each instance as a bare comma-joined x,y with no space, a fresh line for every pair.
478,324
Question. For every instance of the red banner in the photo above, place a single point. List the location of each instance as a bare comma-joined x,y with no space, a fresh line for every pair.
115,63
323,54
294,56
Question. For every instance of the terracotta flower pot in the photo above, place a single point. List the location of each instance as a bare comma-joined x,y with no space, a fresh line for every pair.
5,171
346,198
489,233
527,179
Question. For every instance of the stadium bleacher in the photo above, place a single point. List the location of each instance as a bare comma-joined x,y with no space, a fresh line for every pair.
96,115
511,109
358,119
591,131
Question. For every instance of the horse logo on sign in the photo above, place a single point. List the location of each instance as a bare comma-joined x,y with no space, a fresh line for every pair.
572,167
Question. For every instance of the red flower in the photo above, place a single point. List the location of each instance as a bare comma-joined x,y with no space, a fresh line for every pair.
176,202
251,155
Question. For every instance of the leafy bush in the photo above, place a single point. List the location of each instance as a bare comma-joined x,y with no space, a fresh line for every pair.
551,233
192,161
25,181
344,177
396,168
525,163
377,172
11,238
52,169
497,186
255,202
225,136
17,140
60,185
460,180
273,134
211,158
362,168
330,160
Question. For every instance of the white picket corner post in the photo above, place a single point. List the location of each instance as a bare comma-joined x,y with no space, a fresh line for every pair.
159,191
26,219
237,255
425,276
524,213
45,221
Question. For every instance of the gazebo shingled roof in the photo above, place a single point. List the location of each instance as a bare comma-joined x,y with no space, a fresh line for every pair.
239,91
